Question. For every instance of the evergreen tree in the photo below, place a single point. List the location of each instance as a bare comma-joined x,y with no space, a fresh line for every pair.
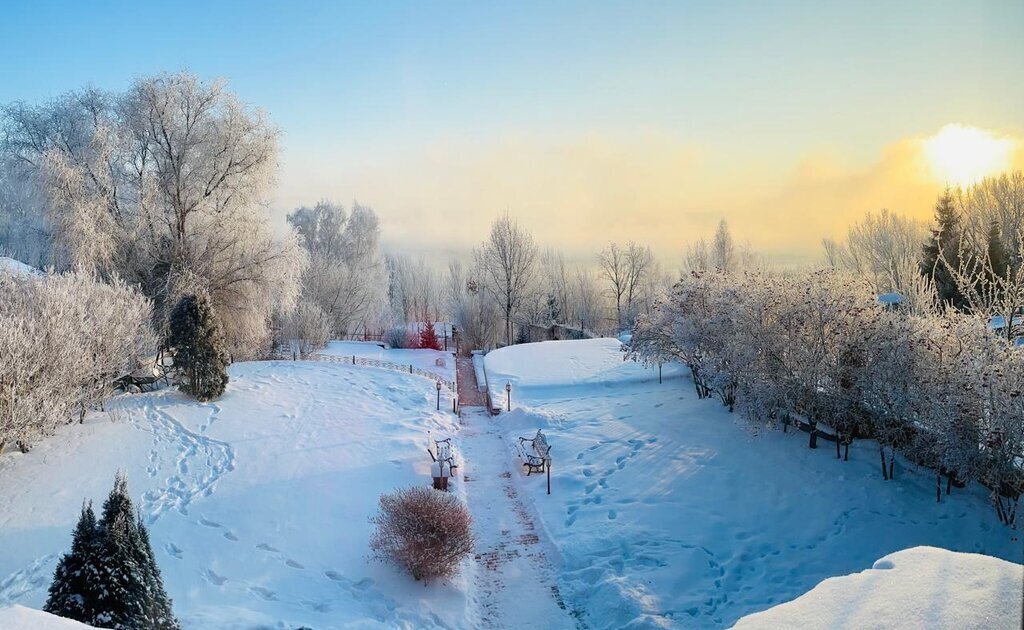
199,348
73,590
130,593
999,259
943,250
428,336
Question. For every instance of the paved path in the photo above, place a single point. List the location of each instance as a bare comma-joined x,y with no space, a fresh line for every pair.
469,392
515,583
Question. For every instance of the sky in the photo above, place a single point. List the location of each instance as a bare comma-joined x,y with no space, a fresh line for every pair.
587,121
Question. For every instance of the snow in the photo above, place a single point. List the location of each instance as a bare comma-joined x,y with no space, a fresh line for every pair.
998,322
478,369
258,504
20,618
669,511
422,359
17,268
561,363
890,299
923,587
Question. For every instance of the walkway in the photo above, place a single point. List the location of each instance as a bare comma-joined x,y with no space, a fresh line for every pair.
469,393
515,584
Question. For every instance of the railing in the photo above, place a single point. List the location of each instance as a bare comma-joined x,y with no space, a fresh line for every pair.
354,360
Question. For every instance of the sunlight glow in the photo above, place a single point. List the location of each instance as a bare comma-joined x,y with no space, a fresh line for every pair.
961,156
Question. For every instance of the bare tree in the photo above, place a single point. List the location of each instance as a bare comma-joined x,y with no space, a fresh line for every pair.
506,262
625,269
723,250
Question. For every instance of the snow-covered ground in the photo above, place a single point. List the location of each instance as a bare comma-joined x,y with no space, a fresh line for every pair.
597,362
21,618
923,587
258,504
16,267
667,510
422,359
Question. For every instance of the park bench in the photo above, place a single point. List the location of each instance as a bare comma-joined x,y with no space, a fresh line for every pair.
536,452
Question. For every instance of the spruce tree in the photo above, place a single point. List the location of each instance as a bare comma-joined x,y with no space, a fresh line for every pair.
199,348
74,588
998,258
130,594
943,251
428,336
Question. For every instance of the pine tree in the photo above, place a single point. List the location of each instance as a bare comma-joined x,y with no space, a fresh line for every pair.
199,348
943,250
73,590
998,258
428,336
129,592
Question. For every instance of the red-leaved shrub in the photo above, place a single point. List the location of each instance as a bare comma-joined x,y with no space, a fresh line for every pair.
425,531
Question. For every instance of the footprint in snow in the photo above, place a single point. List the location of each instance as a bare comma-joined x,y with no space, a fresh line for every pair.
263,593
208,523
173,550
230,536
293,564
213,578
268,548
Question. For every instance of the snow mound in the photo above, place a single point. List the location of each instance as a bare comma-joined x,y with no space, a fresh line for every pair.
16,267
921,587
20,618
562,363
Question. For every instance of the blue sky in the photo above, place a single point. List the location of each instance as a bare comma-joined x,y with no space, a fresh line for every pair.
391,87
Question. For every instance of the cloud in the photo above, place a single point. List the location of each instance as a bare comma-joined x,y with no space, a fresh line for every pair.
578,193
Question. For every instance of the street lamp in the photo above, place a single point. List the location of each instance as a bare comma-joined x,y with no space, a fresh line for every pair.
438,384
508,396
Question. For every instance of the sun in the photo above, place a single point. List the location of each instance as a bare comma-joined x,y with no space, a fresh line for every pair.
961,156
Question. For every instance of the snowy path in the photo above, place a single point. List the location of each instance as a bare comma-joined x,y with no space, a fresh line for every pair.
515,583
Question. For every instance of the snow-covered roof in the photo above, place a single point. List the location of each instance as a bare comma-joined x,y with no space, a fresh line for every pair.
908,589
890,298
16,267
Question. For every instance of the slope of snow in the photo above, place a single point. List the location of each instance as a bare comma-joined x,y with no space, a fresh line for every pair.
669,511
923,587
20,618
258,504
423,359
554,363
16,267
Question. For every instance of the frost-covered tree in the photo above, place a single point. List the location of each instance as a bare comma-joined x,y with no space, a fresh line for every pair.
506,263
165,179
625,268
198,346
346,277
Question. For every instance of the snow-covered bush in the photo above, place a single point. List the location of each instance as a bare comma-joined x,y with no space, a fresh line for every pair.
65,339
424,531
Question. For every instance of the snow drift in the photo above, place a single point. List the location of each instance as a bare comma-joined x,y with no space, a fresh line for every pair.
922,587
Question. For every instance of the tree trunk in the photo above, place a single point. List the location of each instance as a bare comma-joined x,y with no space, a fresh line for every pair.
881,456
846,450
837,446
813,440
892,462
938,487
949,483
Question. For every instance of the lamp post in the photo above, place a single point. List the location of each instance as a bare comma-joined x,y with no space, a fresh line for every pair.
438,384
508,396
